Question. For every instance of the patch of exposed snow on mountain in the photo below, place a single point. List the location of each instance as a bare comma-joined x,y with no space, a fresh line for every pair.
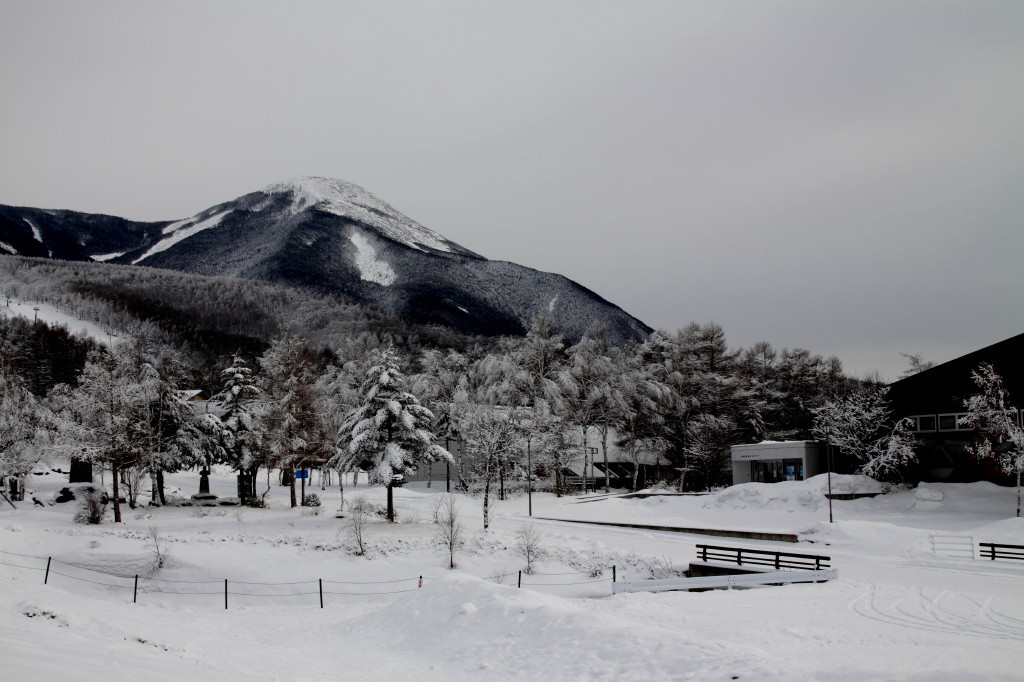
179,231
370,267
551,305
7,247
352,201
104,257
35,230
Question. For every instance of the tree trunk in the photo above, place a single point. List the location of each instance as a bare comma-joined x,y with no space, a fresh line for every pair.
487,495
115,476
161,494
501,483
586,454
291,487
303,499
154,484
1018,493
604,451
391,503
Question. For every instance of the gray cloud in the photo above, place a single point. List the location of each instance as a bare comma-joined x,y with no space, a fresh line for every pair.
840,176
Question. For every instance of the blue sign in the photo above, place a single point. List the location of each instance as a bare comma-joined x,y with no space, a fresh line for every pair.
301,473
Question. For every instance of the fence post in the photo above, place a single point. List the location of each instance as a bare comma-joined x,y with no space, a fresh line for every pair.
613,574
321,590
778,555
520,583
135,592
992,550
225,593
420,583
46,578
704,553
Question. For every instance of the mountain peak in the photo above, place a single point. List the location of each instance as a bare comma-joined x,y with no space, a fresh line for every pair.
349,200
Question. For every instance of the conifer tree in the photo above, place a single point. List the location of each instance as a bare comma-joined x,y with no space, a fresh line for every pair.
390,432
240,433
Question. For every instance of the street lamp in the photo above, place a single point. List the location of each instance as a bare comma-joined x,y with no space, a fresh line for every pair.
827,430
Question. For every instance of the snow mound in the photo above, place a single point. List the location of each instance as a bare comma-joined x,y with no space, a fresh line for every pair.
98,561
481,628
349,200
806,495
1007,532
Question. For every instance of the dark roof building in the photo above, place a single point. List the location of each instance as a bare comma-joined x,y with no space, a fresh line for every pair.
934,402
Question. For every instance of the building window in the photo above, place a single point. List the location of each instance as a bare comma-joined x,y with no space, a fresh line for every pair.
922,422
953,422
773,471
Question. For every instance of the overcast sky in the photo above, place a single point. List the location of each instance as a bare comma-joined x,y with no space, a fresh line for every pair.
846,177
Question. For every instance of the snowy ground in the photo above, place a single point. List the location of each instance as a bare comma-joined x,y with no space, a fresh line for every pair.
897,612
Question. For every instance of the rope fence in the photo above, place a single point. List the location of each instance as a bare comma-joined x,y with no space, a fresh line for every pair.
138,583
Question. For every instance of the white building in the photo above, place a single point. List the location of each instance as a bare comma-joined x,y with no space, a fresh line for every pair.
773,461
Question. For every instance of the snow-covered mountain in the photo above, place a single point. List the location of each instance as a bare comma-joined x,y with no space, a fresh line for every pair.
329,236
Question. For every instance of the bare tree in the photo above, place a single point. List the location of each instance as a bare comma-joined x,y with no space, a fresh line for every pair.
159,551
529,545
359,510
449,533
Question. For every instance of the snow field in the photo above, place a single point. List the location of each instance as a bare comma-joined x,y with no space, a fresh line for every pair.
55,318
897,611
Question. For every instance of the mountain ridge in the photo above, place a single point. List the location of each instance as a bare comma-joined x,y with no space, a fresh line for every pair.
330,236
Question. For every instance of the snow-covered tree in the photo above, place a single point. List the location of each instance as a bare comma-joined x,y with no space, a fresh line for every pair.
640,410
528,372
589,394
1001,437
241,437
23,427
444,386
860,427
107,418
491,443
390,432
298,437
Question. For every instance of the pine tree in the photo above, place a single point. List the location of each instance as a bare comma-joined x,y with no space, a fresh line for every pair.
240,433
298,438
390,432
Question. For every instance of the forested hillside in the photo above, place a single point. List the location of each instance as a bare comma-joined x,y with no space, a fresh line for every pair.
669,407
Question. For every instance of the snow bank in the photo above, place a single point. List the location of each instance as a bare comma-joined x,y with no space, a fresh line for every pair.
806,495
478,627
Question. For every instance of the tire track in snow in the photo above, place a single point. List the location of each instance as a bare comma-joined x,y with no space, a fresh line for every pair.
949,611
